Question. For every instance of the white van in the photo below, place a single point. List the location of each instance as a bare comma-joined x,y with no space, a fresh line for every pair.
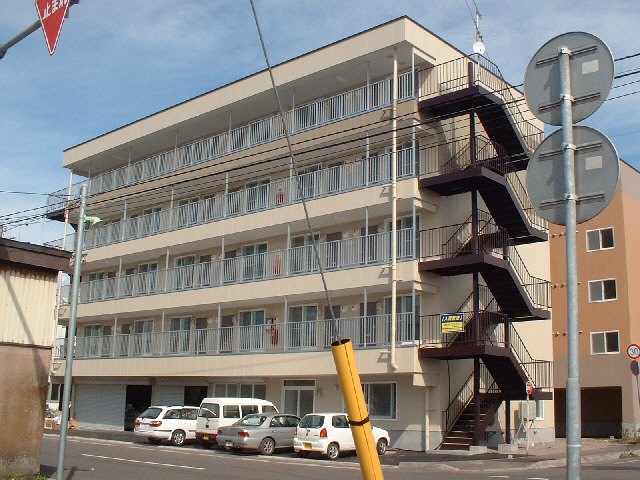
219,412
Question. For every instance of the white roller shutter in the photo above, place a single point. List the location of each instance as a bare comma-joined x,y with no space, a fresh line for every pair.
101,406
172,395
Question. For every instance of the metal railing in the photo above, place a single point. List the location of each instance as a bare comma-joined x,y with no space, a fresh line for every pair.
475,70
321,183
365,332
453,240
334,255
313,115
488,154
464,396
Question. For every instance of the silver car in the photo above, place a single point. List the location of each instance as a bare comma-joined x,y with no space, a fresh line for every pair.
264,432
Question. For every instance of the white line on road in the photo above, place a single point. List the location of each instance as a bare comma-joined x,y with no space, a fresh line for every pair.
499,476
142,461
537,478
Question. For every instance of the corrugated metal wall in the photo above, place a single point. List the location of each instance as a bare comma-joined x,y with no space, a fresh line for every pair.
27,306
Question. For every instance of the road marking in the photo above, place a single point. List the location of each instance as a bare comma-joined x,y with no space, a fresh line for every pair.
499,476
142,461
537,478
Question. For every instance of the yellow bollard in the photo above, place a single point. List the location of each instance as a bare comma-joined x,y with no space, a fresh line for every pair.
356,409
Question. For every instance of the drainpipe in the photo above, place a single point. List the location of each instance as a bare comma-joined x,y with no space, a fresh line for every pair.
394,214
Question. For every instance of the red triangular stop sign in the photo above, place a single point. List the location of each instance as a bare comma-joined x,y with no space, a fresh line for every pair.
52,13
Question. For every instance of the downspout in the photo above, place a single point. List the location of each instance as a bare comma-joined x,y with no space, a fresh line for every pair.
394,214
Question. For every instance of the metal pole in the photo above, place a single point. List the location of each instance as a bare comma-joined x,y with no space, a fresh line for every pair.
71,333
574,428
21,36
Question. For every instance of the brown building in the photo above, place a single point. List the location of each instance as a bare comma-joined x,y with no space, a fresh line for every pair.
28,279
608,308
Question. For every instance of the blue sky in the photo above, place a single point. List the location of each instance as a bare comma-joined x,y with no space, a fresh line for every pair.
117,62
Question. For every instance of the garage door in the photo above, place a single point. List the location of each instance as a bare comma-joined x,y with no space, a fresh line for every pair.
172,395
101,406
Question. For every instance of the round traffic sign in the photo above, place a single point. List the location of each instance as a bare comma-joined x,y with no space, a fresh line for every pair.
596,171
591,68
635,369
633,351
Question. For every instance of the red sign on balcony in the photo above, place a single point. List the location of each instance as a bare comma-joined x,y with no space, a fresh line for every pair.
52,14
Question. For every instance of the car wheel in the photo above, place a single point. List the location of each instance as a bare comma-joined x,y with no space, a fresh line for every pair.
154,441
267,446
178,437
333,451
381,446
207,445
303,453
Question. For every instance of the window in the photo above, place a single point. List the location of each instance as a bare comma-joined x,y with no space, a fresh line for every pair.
603,290
605,342
247,390
601,239
380,399
539,410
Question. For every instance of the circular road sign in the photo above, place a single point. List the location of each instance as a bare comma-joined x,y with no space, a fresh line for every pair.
635,369
633,351
596,167
529,387
591,68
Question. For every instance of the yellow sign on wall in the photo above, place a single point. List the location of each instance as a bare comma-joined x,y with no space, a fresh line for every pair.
452,322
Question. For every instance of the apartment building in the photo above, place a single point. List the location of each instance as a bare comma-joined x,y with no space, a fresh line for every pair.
203,278
607,310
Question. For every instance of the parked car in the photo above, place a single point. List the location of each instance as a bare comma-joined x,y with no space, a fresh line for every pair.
264,432
330,434
216,412
174,423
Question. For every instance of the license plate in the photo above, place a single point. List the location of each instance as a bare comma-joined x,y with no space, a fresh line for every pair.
306,445
229,443
205,437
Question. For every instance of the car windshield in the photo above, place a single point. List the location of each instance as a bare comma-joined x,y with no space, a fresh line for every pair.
209,410
151,412
251,420
312,421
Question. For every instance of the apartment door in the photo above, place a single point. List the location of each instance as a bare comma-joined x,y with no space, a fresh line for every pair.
142,337
299,396
251,329
180,331
333,250
146,280
369,243
184,272
226,333
96,286
187,211
107,341
205,271
302,258
303,325
150,221
369,328
331,332
202,334
91,340
257,194
230,267
253,261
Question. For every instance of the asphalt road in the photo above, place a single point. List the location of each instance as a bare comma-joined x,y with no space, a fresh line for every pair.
101,459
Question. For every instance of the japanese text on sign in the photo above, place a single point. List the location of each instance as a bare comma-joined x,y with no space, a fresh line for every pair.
452,322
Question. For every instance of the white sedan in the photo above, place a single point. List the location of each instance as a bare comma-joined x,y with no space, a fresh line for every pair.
330,434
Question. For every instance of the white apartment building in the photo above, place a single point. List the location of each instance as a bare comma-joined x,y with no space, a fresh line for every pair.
202,279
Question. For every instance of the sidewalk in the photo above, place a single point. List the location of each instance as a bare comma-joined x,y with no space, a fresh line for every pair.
540,455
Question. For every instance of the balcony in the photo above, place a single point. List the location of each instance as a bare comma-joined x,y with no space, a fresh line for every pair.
371,331
321,183
335,255
313,115
475,84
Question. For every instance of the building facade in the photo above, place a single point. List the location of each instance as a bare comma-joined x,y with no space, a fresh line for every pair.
204,279
28,280
607,256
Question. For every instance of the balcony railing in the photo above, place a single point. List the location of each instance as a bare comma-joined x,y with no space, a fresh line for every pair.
368,331
464,72
313,115
334,255
321,183
454,240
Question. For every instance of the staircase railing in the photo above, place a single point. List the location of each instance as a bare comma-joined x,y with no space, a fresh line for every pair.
464,396
540,372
